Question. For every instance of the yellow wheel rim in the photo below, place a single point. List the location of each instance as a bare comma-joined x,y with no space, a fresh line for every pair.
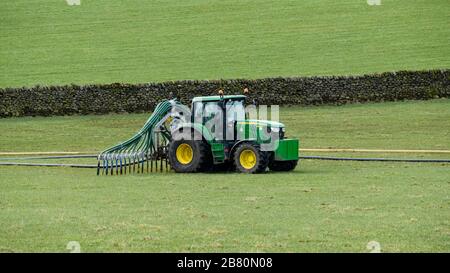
247,158
184,153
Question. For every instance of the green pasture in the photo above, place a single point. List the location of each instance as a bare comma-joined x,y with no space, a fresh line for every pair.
48,42
320,207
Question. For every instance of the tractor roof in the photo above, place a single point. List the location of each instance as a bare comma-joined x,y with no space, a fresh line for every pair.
218,98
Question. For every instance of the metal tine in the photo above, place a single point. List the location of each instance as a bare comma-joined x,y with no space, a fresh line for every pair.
151,163
138,163
156,164
107,163
167,165
134,162
166,152
147,158
129,164
158,159
130,169
98,166
108,166
156,151
124,164
143,162
161,158
120,158
117,164
112,165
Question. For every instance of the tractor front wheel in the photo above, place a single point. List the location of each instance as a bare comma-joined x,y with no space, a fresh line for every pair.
248,158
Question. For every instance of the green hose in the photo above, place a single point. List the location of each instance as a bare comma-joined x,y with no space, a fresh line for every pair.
145,145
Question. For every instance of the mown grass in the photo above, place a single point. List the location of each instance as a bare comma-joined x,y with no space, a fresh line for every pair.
321,206
49,42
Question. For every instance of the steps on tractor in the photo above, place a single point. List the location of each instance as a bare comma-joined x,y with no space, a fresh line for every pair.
218,152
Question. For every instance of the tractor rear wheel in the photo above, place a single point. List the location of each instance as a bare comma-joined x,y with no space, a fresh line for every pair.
248,158
188,156
283,166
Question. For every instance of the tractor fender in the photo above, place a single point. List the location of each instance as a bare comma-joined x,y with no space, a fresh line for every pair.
235,145
198,128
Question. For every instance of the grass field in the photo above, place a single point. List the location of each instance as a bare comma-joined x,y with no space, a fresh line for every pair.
49,42
321,206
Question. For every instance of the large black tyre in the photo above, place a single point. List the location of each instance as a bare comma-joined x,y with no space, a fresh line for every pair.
283,166
200,160
257,162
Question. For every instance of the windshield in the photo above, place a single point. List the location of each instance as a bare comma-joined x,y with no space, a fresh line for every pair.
235,110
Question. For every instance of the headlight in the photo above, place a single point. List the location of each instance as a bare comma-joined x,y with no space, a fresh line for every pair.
275,129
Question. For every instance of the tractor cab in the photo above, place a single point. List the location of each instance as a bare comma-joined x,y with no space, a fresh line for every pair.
219,113
226,118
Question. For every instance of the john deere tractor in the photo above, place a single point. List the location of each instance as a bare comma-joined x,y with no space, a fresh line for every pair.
215,134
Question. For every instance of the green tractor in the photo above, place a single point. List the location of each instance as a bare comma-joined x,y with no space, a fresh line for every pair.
215,134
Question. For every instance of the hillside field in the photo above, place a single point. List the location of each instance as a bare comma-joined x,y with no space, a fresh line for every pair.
322,206
48,42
